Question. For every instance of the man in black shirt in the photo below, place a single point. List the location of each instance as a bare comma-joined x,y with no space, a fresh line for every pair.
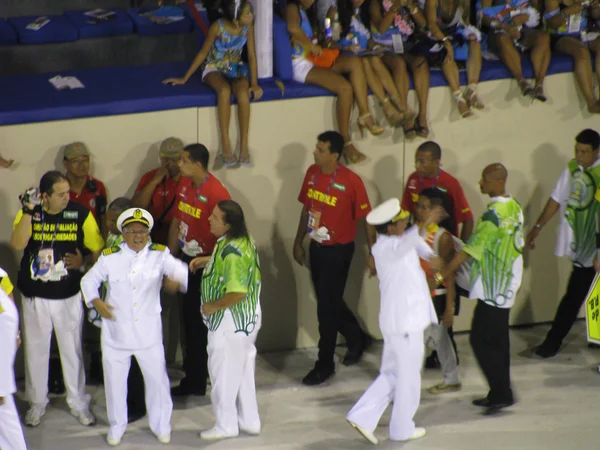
53,232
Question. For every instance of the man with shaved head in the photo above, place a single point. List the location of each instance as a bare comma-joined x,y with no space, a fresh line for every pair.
576,196
496,249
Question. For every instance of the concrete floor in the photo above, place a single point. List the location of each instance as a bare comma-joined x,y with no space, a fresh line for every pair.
557,407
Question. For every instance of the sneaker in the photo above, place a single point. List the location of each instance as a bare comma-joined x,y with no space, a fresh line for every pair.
442,388
164,438
368,435
34,415
214,435
85,416
252,431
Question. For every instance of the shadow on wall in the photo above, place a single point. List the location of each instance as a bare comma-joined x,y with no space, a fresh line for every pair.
141,159
279,300
541,262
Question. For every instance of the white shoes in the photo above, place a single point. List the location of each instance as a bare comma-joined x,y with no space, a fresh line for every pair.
251,431
419,433
85,416
214,435
164,438
368,435
113,441
34,415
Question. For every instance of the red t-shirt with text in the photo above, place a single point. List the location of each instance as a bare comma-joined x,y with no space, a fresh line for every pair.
93,197
194,207
461,212
339,198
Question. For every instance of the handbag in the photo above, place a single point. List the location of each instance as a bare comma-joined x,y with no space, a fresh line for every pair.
421,44
325,59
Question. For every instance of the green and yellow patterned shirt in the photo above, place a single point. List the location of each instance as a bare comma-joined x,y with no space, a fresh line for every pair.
233,267
497,250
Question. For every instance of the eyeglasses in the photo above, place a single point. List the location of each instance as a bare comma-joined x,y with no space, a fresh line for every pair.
136,232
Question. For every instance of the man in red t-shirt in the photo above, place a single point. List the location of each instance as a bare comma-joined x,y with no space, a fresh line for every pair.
156,190
334,200
189,237
429,174
85,189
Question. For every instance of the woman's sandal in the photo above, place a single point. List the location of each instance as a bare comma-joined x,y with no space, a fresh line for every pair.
538,93
392,114
473,99
229,160
463,106
409,128
526,89
421,130
245,160
355,156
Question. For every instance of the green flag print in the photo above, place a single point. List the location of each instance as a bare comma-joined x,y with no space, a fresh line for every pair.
581,214
234,266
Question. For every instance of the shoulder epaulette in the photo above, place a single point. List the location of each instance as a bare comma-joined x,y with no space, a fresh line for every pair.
158,247
111,250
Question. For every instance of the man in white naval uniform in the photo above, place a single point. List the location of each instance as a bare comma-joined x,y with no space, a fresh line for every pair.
406,311
11,432
134,273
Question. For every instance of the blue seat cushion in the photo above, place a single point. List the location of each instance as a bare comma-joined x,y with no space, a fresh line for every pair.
200,37
282,50
121,24
59,29
131,90
147,27
8,35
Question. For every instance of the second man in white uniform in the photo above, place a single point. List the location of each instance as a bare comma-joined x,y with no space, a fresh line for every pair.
406,311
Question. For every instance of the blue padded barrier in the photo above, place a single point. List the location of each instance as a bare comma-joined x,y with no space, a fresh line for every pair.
121,24
59,29
131,90
147,27
8,35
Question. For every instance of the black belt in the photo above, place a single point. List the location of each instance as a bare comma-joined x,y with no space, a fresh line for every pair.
312,241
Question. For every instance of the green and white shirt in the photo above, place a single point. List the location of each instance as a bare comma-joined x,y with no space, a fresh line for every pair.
497,250
577,193
233,267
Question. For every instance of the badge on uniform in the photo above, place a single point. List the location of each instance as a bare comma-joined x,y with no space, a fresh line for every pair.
203,199
314,220
71,214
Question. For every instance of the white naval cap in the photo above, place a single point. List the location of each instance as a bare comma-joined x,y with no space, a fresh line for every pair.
133,215
388,211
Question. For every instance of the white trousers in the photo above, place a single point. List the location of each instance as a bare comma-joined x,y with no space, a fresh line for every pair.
116,363
65,317
11,432
231,364
445,351
399,381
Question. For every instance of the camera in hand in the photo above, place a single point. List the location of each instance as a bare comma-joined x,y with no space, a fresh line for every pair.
31,196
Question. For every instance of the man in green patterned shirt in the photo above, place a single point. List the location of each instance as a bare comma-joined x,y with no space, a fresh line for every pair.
576,196
496,247
230,292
